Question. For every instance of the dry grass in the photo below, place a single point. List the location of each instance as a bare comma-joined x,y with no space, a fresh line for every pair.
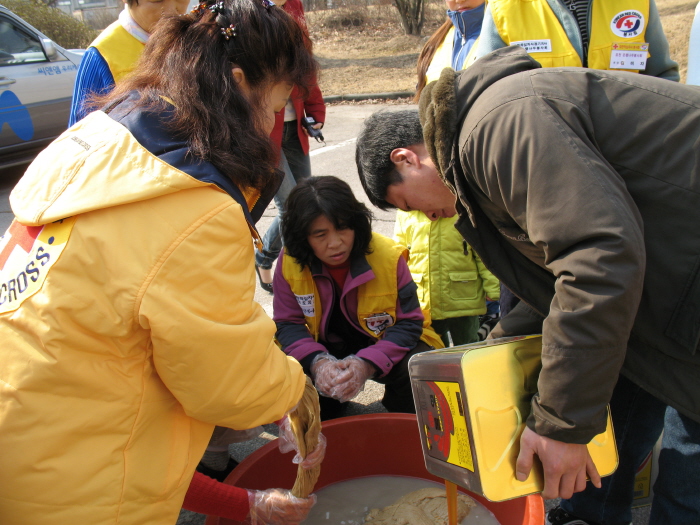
372,57
363,49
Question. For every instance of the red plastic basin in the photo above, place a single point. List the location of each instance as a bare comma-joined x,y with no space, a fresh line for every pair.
366,445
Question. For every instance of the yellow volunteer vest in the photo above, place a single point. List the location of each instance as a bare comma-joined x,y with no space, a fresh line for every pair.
533,21
443,57
376,298
119,49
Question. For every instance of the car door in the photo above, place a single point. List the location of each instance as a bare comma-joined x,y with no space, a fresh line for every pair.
35,92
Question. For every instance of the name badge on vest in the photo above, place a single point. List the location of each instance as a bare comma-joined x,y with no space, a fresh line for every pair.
306,302
534,46
377,323
630,55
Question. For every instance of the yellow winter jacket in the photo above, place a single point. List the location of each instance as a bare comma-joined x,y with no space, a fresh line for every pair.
128,331
452,281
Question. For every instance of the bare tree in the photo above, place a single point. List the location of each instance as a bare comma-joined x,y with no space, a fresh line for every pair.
412,15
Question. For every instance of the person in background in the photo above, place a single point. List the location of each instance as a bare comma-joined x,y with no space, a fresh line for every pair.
582,33
579,33
291,137
450,276
113,54
578,219
693,77
345,304
453,44
132,330
453,283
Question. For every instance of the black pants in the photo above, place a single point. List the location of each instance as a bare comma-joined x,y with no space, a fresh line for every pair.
398,396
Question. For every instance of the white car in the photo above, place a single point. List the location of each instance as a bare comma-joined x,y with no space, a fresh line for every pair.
36,87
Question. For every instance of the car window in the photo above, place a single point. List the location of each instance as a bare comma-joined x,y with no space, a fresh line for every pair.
17,46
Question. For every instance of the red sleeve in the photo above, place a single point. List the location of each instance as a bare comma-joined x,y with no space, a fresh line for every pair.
208,496
296,9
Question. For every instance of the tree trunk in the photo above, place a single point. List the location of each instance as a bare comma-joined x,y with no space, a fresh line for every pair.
412,15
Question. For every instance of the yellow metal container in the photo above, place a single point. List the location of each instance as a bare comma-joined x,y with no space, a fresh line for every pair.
472,402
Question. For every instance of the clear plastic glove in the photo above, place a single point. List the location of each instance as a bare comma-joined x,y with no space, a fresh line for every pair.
287,442
278,507
325,369
351,381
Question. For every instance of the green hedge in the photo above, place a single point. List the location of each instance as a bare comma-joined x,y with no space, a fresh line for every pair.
63,29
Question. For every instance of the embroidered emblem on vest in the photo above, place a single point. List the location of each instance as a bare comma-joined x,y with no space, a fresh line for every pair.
627,24
377,323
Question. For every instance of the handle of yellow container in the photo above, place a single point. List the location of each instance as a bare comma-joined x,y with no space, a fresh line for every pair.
451,489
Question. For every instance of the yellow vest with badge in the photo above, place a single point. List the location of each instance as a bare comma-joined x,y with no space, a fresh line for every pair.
376,298
533,25
119,49
443,57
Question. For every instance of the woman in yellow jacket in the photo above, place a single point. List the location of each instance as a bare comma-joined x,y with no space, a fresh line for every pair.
127,318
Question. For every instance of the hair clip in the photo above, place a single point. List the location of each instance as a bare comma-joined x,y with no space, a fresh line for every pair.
229,31
267,4
217,8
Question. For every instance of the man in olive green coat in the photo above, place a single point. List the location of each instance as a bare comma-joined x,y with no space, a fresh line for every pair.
580,191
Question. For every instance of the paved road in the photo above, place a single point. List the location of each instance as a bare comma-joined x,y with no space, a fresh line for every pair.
337,158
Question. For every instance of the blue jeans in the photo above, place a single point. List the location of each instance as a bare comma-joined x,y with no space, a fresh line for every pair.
638,419
296,166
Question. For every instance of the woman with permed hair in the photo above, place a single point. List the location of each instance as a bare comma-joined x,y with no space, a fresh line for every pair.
345,304
127,281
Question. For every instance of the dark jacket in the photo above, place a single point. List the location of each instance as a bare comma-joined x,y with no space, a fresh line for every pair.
580,191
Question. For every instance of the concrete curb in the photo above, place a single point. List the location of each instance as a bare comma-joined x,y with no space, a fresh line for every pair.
369,96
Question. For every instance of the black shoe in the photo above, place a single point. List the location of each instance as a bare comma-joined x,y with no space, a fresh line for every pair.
265,286
218,475
558,516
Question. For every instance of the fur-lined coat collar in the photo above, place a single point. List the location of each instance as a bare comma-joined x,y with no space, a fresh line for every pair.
445,103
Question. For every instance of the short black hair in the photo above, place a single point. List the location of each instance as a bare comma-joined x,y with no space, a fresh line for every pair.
382,133
329,196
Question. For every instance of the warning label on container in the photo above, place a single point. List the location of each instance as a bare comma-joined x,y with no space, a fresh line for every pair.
443,425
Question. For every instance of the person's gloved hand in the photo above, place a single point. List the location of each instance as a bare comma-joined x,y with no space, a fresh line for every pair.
356,371
287,442
324,371
278,507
